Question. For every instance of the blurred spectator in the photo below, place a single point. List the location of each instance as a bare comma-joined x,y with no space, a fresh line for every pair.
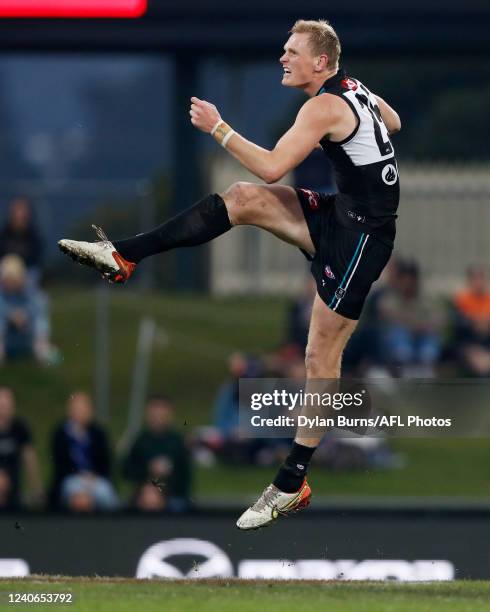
24,323
226,415
16,451
409,325
473,302
159,453
20,236
81,456
364,352
224,439
472,337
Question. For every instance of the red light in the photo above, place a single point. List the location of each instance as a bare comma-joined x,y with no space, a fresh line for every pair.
73,8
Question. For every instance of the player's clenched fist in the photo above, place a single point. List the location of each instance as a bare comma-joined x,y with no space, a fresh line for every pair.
203,114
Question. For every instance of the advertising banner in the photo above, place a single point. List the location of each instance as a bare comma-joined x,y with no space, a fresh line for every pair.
351,545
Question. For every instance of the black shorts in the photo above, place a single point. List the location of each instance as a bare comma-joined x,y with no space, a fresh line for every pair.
346,262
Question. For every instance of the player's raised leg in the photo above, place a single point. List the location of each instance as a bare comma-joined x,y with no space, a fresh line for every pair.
328,335
275,208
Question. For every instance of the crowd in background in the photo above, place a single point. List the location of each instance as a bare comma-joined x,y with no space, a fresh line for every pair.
24,308
404,332
156,468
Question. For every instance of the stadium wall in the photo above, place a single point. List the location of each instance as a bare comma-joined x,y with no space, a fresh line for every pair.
351,544
443,223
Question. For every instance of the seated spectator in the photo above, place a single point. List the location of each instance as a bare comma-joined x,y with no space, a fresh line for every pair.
224,438
226,415
81,456
20,236
409,325
16,452
473,302
160,454
24,323
363,355
472,335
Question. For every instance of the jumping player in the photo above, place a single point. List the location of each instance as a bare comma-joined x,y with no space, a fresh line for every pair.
348,236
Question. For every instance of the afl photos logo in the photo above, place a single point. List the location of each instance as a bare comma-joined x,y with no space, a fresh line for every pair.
389,174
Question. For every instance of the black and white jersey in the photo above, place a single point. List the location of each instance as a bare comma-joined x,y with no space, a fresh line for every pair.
364,163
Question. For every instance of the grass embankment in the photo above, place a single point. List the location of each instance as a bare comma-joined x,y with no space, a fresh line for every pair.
195,336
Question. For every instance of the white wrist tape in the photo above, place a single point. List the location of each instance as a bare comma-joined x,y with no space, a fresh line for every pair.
216,127
225,140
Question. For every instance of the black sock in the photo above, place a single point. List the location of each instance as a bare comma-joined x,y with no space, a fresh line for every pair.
293,471
200,223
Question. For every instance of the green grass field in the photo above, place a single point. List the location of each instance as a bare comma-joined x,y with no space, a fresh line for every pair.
195,336
103,595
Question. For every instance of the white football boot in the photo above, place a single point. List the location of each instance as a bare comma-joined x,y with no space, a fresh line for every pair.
273,503
100,255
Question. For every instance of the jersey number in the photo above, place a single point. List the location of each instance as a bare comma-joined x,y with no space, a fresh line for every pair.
385,148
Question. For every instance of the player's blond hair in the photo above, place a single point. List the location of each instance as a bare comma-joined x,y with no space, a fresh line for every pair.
323,38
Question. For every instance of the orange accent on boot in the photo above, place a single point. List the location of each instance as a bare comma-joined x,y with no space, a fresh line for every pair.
126,268
305,497
302,501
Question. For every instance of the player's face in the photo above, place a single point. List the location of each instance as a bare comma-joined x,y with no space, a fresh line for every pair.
297,61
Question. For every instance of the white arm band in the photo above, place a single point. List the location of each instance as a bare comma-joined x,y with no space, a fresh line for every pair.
216,127
225,140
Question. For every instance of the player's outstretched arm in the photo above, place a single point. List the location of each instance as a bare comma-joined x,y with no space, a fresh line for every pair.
390,117
312,123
